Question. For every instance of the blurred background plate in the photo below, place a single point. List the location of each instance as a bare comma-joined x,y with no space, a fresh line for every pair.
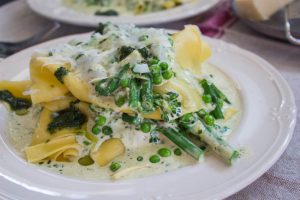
54,9
274,27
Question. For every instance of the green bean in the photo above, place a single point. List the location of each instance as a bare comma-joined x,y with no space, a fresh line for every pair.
181,141
134,94
220,94
113,83
147,95
217,112
131,119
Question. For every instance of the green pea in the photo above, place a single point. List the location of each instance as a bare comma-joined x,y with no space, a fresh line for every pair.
107,130
100,120
164,66
209,120
207,98
177,152
167,74
155,69
22,112
115,166
96,129
86,160
140,158
120,101
125,82
154,159
164,152
154,61
145,127
201,113
188,118
157,79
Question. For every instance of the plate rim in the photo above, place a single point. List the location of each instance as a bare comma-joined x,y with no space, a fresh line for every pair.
153,19
268,68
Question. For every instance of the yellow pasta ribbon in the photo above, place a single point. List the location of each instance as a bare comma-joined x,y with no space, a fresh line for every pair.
45,86
17,88
190,50
60,148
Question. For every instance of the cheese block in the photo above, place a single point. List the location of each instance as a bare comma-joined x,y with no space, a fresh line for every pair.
260,9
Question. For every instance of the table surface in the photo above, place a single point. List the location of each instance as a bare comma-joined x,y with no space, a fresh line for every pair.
282,181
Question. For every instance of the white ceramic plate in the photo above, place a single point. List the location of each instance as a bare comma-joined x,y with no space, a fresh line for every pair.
267,124
54,10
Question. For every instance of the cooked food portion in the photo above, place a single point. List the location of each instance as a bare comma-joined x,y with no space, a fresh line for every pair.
122,7
260,10
124,102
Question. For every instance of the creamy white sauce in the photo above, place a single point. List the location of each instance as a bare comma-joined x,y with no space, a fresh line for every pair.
21,128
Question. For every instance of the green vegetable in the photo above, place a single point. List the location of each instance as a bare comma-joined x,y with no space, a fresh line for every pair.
60,73
91,137
125,82
86,160
208,90
217,112
15,103
164,66
107,130
120,100
146,127
71,117
164,152
155,70
201,113
106,87
214,141
147,99
157,79
220,94
134,95
115,166
125,51
131,119
207,98
154,61
209,120
96,129
140,158
22,112
145,52
219,146
177,152
181,141
154,159
107,13
167,74
100,120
